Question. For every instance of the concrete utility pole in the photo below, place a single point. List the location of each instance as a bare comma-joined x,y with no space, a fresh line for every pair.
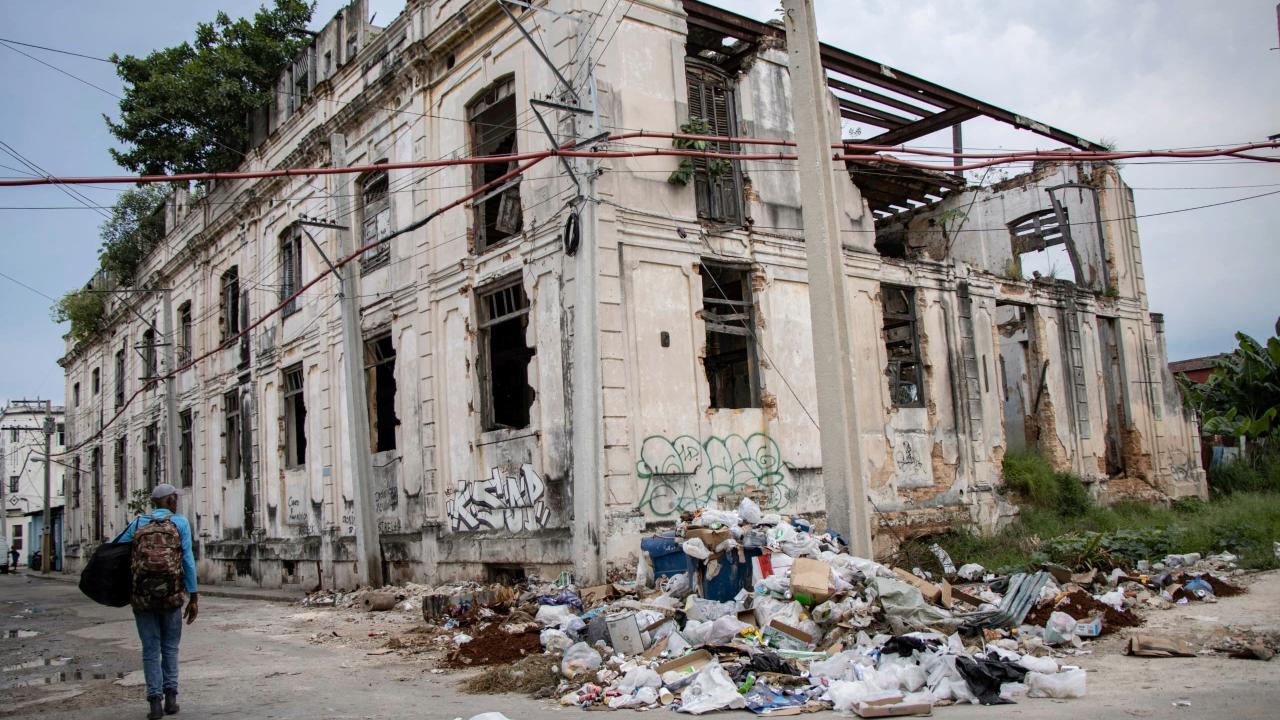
46,532
842,467
170,392
368,548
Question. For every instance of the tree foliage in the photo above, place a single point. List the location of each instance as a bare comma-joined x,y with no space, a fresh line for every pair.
135,227
84,308
185,108
1242,396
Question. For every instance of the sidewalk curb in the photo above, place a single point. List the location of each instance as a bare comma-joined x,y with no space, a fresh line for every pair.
206,591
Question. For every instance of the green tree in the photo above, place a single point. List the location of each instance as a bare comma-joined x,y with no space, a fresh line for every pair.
185,108
135,227
1242,396
84,309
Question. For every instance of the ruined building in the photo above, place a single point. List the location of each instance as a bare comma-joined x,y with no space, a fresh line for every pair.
596,345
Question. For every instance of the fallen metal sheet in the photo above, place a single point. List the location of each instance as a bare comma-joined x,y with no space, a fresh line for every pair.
1024,591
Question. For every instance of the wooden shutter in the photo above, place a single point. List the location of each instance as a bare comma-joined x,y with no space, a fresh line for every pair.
711,99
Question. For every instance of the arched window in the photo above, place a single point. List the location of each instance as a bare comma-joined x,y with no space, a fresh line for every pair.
375,219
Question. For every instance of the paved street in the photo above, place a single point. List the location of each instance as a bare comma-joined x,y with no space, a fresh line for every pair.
246,658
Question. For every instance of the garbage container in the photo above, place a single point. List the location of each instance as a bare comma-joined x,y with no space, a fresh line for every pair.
667,556
734,575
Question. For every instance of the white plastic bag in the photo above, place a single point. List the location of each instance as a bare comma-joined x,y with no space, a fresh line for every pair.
970,571
725,629
553,615
554,640
695,632
1045,665
711,689
704,610
845,695
1060,628
1115,599
641,677
578,659
841,667
711,518
1066,684
695,548
749,511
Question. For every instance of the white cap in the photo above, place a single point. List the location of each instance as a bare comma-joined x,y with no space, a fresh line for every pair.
164,490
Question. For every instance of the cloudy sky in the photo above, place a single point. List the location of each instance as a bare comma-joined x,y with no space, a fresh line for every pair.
1139,74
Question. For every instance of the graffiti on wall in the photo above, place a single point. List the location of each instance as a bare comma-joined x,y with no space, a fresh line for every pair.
503,501
685,473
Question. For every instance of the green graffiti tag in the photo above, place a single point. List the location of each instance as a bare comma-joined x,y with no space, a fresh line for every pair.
684,473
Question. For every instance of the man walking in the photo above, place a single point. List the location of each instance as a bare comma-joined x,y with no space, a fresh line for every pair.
164,572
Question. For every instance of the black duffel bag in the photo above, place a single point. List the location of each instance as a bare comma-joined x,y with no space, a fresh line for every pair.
108,578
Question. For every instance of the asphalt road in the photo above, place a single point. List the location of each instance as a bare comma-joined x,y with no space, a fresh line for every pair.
246,658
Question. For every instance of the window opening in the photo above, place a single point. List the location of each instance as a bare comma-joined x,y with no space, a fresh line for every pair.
149,368
902,345
717,182
492,124
122,466
62,434
295,419
1038,241
151,455
184,332
290,267
13,484
96,381
380,372
231,432
120,376
75,488
75,395
186,448
505,356
728,311
230,300
375,214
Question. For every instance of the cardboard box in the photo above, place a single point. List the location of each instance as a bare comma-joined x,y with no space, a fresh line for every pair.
811,578
787,637
710,538
687,665
596,594
931,592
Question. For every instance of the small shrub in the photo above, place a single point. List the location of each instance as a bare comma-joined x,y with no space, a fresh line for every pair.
1260,473
1073,499
1036,484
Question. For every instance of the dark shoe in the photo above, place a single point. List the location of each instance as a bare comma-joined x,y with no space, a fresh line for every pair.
170,702
157,709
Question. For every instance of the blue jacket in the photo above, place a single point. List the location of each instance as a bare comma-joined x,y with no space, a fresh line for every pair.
184,533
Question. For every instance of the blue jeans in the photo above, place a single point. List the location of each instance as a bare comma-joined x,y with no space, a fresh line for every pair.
160,632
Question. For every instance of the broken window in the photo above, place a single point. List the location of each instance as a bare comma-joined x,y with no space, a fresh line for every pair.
122,465
95,382
62,434
711,112
151,455
505,356
120,376
184,332
230,299
75,395
375,219
75,488
149,368
902,345
491,118
295,419
290,267
14,480
1038,242
231,433
380,374
186,448
728,310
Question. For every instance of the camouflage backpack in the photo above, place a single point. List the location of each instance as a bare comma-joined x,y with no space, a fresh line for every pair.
157,566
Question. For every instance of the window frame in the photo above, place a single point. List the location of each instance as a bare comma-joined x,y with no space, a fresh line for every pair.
290,268
486,321
497,92
151,455
700,78
231,434
229,302
186,448
375,207
722,324
150,358
909,320
121,369
294,405
371,365
121,460
184,349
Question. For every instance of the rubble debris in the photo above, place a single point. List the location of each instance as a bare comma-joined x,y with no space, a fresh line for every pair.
379,601
1158,646
1082,606
492,646
531,675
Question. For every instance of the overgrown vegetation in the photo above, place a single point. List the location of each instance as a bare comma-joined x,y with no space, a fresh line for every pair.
716,167
1242,396
186,107
134,229
1058,522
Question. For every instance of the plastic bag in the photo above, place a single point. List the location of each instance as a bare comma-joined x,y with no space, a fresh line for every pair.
578,659
697,608
1060,628
1045,665
970,571
640,698
553,615
749,511
641,677
711,689
725,629
695,548
711,518
841,666
554,640
845,696
1115,599
695,632
1066,684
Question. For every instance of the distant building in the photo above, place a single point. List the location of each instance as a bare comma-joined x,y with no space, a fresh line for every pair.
1198,369
22,445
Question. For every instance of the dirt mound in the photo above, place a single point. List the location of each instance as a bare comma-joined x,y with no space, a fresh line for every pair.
530,675
1081,606
492,646
1221,588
